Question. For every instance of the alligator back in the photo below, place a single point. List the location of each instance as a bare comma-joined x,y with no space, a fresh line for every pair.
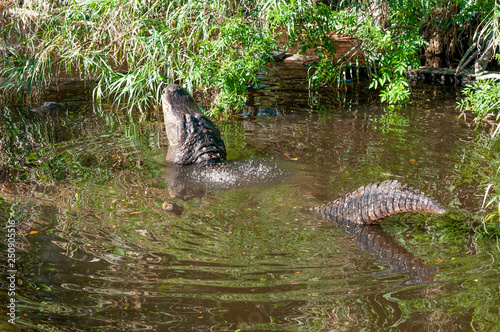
374,202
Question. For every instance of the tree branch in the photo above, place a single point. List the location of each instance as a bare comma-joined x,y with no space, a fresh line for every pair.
349,54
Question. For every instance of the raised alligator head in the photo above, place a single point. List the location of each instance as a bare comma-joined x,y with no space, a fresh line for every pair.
193,138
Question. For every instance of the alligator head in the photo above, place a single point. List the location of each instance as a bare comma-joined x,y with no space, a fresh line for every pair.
193,138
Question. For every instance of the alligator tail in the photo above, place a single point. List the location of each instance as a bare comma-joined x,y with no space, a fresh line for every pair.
374,202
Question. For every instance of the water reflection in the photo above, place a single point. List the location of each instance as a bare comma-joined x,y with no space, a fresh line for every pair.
115,274
385,248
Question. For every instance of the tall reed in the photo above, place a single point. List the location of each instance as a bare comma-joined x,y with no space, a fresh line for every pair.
133,49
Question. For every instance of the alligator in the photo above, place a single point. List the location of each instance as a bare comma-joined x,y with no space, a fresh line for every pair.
372,203
195,140
198,153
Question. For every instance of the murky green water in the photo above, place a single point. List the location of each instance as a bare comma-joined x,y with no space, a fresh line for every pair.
96,251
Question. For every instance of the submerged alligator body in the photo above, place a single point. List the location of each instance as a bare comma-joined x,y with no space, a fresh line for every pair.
187,182
193,138
375,202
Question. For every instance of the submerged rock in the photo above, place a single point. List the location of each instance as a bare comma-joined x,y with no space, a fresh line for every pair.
173,207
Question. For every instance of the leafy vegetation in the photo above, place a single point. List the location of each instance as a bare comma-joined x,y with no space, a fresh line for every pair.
480,166
388,52
131,49
392,35
482,98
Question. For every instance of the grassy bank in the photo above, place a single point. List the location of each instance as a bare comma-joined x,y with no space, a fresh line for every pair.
132,50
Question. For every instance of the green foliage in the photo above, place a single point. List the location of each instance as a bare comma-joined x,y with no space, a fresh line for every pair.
396,92
391,53
132,50
388,51
482,97
481,166
313,29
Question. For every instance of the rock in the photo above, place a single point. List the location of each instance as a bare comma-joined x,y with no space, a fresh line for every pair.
172,207
280,55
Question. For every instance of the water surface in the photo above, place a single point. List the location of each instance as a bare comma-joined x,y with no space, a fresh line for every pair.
96,251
